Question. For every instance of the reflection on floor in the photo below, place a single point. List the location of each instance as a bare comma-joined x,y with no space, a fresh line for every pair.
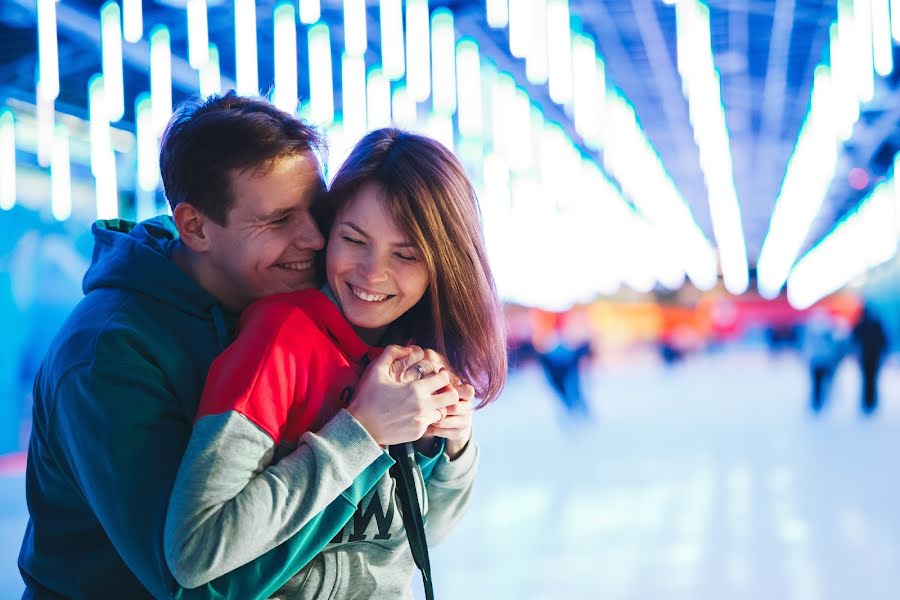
708,481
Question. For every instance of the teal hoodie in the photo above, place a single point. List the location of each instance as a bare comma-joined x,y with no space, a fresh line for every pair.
114,403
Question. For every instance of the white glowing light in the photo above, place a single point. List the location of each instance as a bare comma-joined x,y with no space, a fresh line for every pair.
559,51
285,43
161,77
133,20
418,54
245,47
378,99
864,67
703,91
60,176
861,241
468,69
536,63
393,63
521,28
46,117
147,145
111,42
103,160
48,50
403,108
440,127
588,92
895,20
355,37
7,159
882,46
321,86
443,55
198,33
310,11
210,74
353,95
498,13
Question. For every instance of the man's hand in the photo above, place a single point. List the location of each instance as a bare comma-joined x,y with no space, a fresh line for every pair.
394,411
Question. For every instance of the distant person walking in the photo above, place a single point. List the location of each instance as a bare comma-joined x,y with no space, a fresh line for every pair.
871,344
821,351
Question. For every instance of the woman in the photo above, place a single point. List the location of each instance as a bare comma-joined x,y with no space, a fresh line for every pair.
405,262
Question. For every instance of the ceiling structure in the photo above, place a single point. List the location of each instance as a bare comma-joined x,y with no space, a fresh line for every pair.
765,51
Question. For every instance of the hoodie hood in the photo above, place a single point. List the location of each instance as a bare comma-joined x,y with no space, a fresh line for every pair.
137,257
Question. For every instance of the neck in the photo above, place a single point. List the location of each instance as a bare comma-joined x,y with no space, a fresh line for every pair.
200,271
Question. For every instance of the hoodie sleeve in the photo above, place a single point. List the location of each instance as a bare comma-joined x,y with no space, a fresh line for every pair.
450,491
230,503
119,427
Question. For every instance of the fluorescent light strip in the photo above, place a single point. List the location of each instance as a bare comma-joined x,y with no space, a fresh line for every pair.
882,46
210,74
355,37
48,50
198,33
521,28
161,77
133,20
147,145
393,63
468,68
378,99
861,241
7,159
46,117
285,46
403,109
418,54
498,13
310,11
536,63
103,160
60,176
353,95
588,92
321,84
864,67
834,109
559,51
440,127
521,144
630,157
702,90
245,47
443,57
895,20
111,45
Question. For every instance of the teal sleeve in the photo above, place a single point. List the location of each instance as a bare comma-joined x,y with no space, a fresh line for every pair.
427,463
122,433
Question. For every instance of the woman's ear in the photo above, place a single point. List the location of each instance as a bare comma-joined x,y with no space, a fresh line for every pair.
191,224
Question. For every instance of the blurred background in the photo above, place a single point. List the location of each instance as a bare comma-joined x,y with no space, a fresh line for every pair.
691,212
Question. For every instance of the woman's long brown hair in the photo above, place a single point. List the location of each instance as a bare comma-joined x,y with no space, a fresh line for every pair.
425,189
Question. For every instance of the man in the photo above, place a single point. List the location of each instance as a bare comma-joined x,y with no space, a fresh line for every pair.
871,345
116,395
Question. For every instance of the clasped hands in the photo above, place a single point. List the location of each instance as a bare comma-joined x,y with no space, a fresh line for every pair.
409,395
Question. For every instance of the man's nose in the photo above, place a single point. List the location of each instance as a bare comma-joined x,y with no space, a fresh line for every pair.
308,236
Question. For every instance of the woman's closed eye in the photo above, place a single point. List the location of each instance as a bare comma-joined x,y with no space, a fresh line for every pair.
352,240
405,257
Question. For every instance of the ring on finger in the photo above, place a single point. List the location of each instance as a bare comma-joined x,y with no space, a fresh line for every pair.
443,413
420,370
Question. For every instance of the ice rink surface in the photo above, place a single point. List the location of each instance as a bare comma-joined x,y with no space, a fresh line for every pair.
707,481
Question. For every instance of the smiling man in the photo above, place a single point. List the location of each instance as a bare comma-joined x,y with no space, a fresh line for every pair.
117,393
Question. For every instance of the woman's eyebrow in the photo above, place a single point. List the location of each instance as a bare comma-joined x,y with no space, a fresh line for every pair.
356,228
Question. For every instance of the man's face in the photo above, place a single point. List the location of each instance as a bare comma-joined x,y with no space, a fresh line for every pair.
270,238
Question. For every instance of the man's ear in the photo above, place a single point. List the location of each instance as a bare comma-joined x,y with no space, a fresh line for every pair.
192,226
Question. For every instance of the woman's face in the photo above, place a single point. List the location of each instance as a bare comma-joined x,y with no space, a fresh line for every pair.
374,270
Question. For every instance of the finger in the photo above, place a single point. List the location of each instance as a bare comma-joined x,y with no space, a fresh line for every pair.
466,391
440,362
433,382
451,427
407,356
460,408
418,370
445,399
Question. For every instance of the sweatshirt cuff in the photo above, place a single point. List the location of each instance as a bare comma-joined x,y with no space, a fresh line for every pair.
362,453
461,469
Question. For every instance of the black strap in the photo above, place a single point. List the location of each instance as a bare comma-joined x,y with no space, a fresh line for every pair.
402,472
